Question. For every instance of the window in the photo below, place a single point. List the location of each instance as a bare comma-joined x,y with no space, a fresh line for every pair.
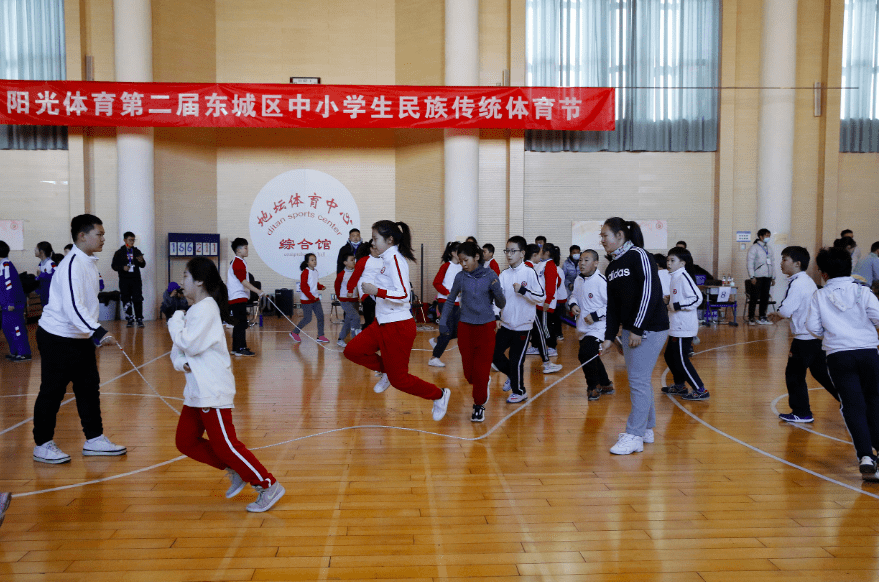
32,41
663,56
859,111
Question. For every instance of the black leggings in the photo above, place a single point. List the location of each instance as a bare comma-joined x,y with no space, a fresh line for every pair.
759,294
855,374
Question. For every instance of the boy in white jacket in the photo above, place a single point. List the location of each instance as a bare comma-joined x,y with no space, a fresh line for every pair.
806,352
588,304
684,299
200,351
846,314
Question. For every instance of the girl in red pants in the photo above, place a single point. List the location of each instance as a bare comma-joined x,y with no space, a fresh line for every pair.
393,331
200,351
478,286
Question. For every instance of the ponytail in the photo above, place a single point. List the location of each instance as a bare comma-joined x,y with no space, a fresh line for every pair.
304,264
630,229
399,231
203,269
451,249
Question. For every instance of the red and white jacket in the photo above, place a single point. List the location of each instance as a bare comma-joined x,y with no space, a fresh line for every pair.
392,302
365,271
236,274
492,264
548,273
308,285
341,285
444,280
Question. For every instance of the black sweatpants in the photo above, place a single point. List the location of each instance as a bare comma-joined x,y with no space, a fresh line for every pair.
677,357
442,342
239,328
368,305
131,294
855,373
595,372
65,360
512,367
806,355
538,335
760,294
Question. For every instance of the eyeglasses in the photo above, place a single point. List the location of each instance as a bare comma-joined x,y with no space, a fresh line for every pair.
511,251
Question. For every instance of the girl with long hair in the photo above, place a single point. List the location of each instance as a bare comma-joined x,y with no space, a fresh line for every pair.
309,299
200,352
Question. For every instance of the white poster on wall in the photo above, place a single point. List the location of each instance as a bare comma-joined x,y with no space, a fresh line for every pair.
586,234
12,232
300,212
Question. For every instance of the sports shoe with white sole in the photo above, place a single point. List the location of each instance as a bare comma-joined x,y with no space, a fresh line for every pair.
516,398
436,363
791,417
507,386
551,352
609,389
322,339
102,447
478,413
432,342
295,337
382,384
50,453
649,438
628,444
550,368
266,498
441,405
236,483
696,395
341,343
868,469
532,351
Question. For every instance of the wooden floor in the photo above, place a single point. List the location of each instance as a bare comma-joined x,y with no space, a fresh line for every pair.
377,490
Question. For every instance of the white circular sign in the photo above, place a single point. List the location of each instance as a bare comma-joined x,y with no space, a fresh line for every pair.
301,212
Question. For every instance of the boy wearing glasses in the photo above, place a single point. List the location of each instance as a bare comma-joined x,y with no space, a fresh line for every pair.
523,292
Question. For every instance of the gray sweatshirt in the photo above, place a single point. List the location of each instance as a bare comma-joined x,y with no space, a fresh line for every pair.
477,289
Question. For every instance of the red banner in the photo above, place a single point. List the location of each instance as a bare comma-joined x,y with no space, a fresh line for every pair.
80,103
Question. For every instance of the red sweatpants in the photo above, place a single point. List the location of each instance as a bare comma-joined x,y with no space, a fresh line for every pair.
223,449
476,343
395,341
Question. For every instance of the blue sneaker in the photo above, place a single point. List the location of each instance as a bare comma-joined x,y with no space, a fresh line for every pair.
791,417
696,395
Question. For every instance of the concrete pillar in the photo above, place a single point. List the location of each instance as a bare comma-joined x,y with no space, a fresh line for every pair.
133,43
461,146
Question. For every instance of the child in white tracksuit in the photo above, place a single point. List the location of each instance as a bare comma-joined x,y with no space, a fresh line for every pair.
684,299
588,303
200,351
845,315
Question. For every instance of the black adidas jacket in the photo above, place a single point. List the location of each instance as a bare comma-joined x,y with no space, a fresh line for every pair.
634,295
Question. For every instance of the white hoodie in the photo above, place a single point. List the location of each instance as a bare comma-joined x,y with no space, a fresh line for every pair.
590,295
521,308
684,299
845,314
795,305
200,341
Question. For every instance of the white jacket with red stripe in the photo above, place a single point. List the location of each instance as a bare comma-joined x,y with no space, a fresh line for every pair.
392,302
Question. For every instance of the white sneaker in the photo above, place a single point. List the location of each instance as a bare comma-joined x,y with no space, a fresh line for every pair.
532,351
50,453
507,386
432,342
628,444
551,352
267,498
436,363
341,343
102,447
516,398
649,437
236,483
763,321
550,368
440,406
382,384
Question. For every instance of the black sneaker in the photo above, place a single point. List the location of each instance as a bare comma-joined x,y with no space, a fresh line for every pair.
245,352
593,393
696,395
21,358
10,357
478,413
130,323
140,323
675,389
868,469
608,389
791,417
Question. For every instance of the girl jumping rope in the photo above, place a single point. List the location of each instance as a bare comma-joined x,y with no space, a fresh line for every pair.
200,351
393,331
